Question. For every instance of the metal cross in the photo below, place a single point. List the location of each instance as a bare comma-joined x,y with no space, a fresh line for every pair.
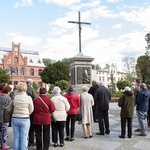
79,23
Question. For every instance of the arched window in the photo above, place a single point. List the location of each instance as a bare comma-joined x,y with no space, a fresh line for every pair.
39,72
9,70
15,71
22,71
15,82
31,72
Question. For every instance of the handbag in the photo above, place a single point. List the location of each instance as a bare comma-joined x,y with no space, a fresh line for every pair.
9,107
79,117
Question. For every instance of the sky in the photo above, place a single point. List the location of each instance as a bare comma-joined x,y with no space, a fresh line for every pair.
117,30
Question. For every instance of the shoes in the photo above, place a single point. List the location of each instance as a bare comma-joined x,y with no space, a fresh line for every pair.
137,130
55,144
90,136
99,133
85,137
72,139
120,136
142,134
129,136
62,144
107,132
31,144
67,139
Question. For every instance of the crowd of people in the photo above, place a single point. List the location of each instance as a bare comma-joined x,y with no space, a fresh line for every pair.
34,115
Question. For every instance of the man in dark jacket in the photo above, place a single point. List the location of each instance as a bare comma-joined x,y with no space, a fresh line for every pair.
102,97
31,92
142,108
127,103
92,91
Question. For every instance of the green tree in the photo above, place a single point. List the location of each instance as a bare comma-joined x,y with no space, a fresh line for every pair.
55,72
143,68
4,77
66,61
48,61
63,84
35,86
122,84
147,39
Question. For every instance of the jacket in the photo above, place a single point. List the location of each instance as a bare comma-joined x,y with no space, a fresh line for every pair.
74,101
127,103
42,114
4,115
142,100
101,98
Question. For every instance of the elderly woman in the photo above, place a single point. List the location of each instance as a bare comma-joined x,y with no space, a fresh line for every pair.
4,116
60,115
87,102
23,107
43,107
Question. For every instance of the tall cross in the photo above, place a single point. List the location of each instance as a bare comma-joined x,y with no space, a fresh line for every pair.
79,23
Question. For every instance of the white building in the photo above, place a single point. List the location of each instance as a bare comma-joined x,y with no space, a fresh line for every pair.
107,73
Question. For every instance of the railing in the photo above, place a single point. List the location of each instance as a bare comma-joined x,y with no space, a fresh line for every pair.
22,51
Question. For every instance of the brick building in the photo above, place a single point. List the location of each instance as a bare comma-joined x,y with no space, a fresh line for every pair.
21,64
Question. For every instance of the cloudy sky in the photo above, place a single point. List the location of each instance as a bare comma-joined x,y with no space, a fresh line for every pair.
117,30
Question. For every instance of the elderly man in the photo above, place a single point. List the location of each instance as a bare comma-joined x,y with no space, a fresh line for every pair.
31,92
102,97
142,102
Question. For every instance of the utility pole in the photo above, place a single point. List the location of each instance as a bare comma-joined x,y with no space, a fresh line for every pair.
79,23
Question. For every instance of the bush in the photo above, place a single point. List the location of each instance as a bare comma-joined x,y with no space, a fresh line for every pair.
117,94
49,95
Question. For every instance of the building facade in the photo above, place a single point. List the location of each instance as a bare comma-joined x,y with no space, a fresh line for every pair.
21,64
108,75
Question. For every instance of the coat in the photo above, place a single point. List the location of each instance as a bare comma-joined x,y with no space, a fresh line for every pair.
102,97
127,103
74,101
87,102
41,114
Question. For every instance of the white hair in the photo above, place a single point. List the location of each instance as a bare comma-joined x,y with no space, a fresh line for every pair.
29,81
101,83
56,90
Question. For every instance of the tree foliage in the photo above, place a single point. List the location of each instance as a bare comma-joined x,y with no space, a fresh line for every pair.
147,39
4,77
35,86
63,84
143,68
55,72
122,84
48,61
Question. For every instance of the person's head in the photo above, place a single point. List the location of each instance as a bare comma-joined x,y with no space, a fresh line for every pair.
138,81
101,84
2,85
93,82
71,88
42,90
127,88
29,81
56,90
6,89
143,86
85,88
21,87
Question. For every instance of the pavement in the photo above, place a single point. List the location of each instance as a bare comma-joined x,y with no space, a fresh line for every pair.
103,142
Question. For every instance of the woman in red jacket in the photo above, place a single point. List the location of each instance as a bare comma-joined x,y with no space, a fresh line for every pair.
43,107
74,101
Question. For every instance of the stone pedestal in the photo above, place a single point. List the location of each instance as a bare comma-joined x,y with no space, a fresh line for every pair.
80,68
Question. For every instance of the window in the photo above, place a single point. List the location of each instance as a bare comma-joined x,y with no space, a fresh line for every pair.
15,59
22,71
39,61
39,72
31,61
15,71
15,82
9,70
31,72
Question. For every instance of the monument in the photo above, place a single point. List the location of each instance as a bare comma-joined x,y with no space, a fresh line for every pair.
80,65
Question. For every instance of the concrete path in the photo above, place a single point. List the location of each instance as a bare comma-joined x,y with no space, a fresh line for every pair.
106,142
